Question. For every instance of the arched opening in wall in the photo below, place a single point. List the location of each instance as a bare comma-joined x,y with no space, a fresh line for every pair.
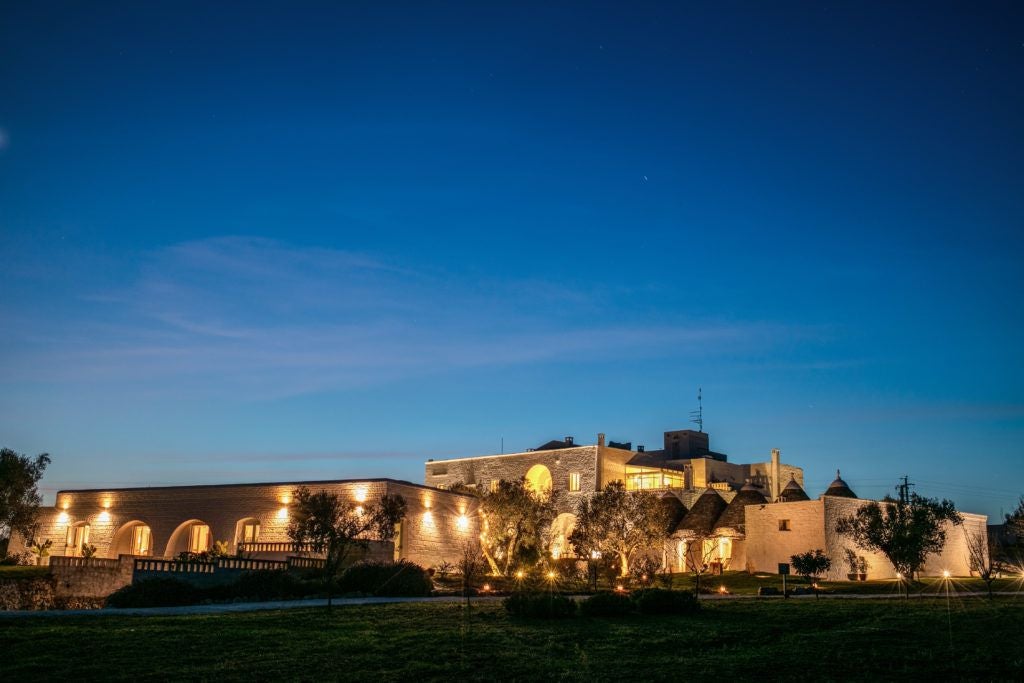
192,536
133,538
680,559
538,480
78,536
247,531
558,536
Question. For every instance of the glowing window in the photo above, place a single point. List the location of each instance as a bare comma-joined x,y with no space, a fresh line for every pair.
574,481
198,538
251,532
142,540
784,525
78,535
494,485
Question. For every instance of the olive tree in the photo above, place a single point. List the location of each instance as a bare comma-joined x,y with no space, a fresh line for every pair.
811,565
515,524
19,495
337,527
906,531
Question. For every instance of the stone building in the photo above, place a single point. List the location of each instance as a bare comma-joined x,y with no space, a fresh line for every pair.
167,520
730,516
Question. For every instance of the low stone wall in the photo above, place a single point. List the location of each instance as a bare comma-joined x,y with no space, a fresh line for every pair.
38,593
90,577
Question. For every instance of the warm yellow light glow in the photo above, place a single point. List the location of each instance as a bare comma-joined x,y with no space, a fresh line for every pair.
359,510
945,574
619,588
462,523
62,518
360,494
486,587
103,516
428,518
286,498
519,574
556,553
899,575
721,589
595,554
283,513
551,575
105,503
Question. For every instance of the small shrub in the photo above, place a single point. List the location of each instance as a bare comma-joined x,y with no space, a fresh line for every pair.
391,579
540,605
606,604
661,601
156,592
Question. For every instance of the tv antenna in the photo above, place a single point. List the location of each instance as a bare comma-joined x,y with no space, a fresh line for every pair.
697,416
904,489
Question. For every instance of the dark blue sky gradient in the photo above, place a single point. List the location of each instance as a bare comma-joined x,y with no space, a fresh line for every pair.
265,242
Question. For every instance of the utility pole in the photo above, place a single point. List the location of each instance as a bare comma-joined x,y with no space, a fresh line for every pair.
904,490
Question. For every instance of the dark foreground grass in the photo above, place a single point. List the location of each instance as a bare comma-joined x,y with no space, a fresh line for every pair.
729,640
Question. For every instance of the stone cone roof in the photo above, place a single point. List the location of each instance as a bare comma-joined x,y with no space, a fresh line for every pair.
733,520
701,518
792,493
675,508
839,488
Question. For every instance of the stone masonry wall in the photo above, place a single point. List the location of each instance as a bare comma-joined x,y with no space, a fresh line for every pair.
435,521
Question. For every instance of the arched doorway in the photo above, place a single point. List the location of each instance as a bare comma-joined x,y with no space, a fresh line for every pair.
558,537
133,538
78,536
247,531
192,536
538,480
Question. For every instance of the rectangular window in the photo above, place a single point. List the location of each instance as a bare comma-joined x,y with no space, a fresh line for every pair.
574,481
494,485
142,539
199,538
784,525
251,532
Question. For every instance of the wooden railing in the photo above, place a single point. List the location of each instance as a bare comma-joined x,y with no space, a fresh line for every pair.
68,561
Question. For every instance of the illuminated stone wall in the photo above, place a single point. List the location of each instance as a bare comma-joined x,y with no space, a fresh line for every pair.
812,525
436,521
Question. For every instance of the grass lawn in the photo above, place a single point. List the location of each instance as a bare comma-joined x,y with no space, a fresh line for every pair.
738,640
22,572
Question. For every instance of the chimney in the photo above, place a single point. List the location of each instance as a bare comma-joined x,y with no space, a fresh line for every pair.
640,449
568,440
600,440
775,473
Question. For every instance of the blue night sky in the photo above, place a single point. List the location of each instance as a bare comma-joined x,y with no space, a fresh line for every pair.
324,241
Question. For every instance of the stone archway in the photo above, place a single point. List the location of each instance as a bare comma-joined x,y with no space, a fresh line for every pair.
133,538
558,536
191,536
538,480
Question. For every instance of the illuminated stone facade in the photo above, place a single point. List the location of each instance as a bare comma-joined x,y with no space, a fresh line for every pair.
164,521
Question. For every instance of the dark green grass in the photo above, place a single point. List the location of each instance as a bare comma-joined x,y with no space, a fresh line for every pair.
728,640
22,572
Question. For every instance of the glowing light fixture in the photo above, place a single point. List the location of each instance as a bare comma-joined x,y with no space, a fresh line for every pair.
462,523
945,573
620,588
360,510
428,518
360,494
551,575
103,516
283,513
286,498
721,589
486,587
519,574
62,518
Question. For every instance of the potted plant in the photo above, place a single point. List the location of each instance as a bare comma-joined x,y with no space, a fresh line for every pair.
852,565
862,568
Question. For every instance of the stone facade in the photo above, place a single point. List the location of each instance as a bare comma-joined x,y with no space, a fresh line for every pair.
777,531
435,525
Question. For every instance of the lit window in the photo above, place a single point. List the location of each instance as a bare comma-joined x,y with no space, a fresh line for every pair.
198,538
251,532
142,540
78,535
784,525
494,485
574,481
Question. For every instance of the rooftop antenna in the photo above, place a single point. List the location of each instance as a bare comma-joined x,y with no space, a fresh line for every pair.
697,416
904,489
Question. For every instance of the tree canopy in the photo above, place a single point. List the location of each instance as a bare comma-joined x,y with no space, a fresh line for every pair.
19,496
515,524
336,527
618,522
905,531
